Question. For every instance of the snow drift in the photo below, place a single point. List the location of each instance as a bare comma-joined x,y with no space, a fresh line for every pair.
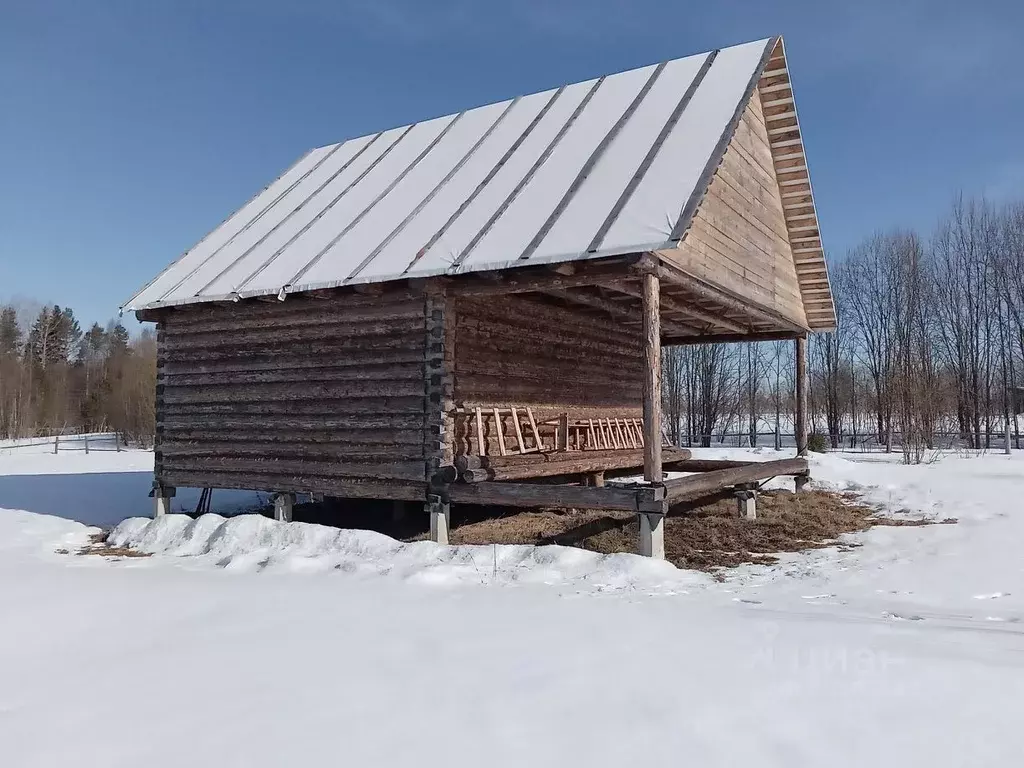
254,542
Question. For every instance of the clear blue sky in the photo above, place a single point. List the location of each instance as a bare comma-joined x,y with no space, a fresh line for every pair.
130,129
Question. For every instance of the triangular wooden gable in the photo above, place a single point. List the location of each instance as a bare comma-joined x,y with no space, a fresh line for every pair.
755,230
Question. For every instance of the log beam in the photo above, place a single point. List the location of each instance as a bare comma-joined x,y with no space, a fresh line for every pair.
683,488
699,318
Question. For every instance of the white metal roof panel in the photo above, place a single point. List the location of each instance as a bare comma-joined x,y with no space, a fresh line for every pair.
600,167
573,231
654,208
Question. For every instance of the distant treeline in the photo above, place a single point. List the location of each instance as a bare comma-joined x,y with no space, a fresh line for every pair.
930,343
56,379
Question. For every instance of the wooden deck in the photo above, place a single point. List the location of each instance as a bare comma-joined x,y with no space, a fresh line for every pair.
708,478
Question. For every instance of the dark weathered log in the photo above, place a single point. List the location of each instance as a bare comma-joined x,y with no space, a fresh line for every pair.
342,412
272,482
701,465
708,482
328,349
317,316
372,373
596,459
389,470
527,495
228,393
297,360
268,434
338,452
245,337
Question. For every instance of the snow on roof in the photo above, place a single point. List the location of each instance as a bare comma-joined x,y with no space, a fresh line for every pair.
593,169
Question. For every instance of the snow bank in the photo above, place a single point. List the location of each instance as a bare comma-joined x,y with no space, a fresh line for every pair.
254,542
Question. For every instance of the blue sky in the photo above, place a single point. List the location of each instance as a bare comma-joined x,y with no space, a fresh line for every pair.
130,129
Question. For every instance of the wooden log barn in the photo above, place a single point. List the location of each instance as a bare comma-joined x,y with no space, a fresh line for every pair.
472,308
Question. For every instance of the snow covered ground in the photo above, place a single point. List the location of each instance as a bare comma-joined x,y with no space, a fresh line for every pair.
253,643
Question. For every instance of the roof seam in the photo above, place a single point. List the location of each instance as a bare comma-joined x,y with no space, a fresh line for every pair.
437,188
652,153
252,221
363,174
387,191
528,177
701,188
591,162
486,180
205,237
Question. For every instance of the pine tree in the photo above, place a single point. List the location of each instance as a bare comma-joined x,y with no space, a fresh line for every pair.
10,333
54,336
118,340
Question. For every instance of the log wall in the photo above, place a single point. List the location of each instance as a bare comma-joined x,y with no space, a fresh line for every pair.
323,395
519,351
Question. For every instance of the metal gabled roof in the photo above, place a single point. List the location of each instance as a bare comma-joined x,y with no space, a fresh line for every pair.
588,170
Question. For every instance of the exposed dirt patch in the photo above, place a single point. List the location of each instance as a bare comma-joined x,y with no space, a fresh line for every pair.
709,537
98,546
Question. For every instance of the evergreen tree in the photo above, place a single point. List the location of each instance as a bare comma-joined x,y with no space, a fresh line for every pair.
54,336
10,333
118,340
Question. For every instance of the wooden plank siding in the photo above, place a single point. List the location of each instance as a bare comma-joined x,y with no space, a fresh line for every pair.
787,151
322,395
517,351
738,238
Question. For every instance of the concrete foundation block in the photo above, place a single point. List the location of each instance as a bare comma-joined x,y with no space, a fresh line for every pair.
652,535
440,519
746,504
284,504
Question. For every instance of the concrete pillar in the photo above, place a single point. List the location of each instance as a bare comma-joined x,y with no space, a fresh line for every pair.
440,518
746,503
652,535
162,495
283,505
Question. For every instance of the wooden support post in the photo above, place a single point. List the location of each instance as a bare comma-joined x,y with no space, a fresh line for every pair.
440,518
1006,449
652,377
801,407
652,535
562,441
801,396
56,443
284,503
596,480
86,445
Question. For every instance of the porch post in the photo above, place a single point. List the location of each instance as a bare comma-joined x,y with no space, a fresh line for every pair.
801,405
652,524
652,377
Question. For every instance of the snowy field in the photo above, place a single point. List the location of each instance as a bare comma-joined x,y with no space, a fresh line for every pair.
253,643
